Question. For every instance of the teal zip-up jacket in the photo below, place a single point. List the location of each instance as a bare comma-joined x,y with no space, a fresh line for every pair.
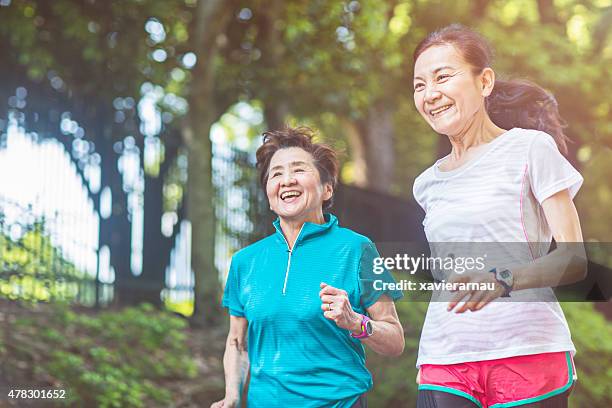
298,358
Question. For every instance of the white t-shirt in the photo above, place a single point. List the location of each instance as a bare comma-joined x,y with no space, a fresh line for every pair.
496,197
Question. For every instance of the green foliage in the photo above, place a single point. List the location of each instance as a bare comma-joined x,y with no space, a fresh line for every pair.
113,359
596,193
107,41
592,336
327,62
33,269
332,61
395,379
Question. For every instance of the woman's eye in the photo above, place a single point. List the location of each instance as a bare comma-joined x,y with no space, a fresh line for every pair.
299,170
276,173
418,87
442,77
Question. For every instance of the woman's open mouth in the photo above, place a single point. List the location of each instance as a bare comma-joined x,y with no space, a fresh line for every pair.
290,196
440,111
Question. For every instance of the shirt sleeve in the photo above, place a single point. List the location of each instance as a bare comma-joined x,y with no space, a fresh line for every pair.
418,190
371,270
231,298
549,171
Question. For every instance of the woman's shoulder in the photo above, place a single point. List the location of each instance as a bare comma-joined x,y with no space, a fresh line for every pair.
427,174
529,136
349,238
419,187
348,235
253,249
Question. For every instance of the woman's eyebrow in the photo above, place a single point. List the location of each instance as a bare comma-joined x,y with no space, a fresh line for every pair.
292,164
435,71
298,163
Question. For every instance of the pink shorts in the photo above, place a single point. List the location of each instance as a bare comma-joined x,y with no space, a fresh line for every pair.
506,382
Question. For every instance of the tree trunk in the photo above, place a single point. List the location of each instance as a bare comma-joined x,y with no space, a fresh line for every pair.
276,108
479,8
212,17
357,145
275,113
547,11
372,148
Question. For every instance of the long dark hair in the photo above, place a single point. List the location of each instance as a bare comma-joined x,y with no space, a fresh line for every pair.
513,103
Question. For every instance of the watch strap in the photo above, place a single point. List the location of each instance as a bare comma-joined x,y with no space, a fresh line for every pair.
507,288
364,332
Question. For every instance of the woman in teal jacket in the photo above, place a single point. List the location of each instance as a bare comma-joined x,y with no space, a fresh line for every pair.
304,295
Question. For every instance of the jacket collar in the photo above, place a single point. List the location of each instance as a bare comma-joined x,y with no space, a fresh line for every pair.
309,229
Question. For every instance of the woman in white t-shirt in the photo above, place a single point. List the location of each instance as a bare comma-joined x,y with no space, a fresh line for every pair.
504,183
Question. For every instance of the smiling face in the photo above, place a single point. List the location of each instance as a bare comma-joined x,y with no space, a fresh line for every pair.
447,93
294,186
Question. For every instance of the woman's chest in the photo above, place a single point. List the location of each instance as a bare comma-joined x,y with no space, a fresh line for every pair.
475,208
289,287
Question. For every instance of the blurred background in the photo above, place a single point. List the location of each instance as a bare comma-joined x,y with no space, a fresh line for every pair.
127,138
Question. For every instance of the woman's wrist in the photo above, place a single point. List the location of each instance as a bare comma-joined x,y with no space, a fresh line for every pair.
232,394
357,327
518,275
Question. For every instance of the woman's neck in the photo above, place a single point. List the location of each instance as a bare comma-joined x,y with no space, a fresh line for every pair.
479,131
291,227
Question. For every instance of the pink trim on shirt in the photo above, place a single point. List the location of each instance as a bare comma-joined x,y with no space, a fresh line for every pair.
521,206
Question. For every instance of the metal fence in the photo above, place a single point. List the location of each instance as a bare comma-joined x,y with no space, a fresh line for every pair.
49,229
49,246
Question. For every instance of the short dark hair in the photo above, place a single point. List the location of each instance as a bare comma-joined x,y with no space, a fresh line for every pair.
324,157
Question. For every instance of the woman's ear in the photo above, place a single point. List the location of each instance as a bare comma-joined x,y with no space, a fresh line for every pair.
328,191
487,81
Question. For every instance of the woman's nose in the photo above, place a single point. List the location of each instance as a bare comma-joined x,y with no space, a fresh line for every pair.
431,94
288,179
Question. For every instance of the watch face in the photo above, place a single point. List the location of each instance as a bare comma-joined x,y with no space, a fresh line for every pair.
505,274
369,328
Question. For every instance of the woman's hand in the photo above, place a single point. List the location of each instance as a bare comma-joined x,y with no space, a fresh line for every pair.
225,403
476,299
337,307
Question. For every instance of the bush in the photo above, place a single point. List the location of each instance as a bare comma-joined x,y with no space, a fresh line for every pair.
112,359
592,336
395,378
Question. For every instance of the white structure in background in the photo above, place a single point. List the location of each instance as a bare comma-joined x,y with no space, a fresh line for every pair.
29,175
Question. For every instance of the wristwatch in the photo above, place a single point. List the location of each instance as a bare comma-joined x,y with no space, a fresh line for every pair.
505,278
366,328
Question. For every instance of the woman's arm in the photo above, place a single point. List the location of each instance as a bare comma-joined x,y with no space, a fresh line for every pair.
566,264
235,363
388,334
